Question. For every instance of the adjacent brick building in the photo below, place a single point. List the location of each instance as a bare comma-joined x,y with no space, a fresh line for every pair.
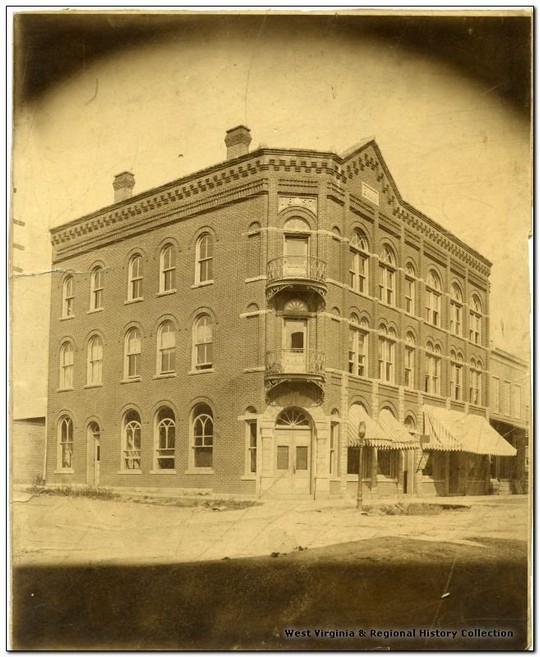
256,327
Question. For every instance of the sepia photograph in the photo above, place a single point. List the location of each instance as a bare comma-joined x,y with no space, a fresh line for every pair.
269,277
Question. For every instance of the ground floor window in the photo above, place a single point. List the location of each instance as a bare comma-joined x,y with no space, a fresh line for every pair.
132,441
334,449
65,443
202,436
165,439
251,446
388,463
353,456
434,465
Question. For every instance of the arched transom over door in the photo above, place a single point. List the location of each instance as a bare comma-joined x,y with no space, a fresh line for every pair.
292,459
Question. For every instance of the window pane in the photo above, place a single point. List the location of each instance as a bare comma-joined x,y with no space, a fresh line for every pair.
301,458
203,457
282,457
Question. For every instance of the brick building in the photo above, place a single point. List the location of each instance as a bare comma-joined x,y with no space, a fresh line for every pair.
256,327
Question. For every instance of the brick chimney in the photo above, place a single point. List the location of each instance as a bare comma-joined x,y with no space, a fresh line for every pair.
237,141
123,185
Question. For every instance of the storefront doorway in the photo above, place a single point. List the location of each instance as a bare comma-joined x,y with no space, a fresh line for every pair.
292,457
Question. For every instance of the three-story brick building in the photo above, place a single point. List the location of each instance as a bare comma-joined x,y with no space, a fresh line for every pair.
249,328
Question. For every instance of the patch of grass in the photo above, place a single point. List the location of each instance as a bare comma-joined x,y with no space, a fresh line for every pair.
214,505
412,509
70,491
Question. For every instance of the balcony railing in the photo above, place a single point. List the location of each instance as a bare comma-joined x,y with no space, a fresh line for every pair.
296,362
299,268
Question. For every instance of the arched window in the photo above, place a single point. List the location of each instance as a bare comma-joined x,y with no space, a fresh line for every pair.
251,430
358,346
165,439
96,288
410,353
135,278
65,443
387,276
410,289
387,344
66,365
167,269
131,438
94,369
410,424
204,259
475,320
202,343
202,436
433,298
456,375
67,297
456,309
433,369
253,250
132,351
359,262
166,343
334,444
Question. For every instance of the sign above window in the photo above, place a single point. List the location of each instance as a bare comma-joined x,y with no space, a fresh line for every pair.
299,202
370,193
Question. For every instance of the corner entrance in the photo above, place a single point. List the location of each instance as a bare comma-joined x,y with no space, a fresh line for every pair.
292,457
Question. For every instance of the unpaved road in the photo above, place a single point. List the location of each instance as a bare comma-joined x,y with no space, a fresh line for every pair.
70,530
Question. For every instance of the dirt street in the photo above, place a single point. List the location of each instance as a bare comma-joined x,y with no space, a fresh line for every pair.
71,530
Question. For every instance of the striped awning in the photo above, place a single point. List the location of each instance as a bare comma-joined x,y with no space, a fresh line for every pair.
386,433
401,438
455,431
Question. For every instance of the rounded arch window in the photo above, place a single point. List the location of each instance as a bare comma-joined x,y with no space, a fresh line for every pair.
202,436
65,443
132,440
296,224
292,417
298,306
96,288
204,258
135,277
68,296
165,438
66,365
203,342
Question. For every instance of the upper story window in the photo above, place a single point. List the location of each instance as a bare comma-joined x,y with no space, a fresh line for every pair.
68,297
387,345
131,441
96,288
456,310
132,353
496,393
359,262
135,278
475,320
166,348
433,369
456,375
202,343
66,365
387,276
165,439
65,443
358,343
167,269
410,353
433,298
410,289
94,370
204,259
475,383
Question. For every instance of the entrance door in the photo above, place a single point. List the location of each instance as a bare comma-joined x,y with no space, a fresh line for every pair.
294,345
296,252
293,453
94,453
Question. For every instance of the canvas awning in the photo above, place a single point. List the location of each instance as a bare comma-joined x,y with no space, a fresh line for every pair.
386,433
455,431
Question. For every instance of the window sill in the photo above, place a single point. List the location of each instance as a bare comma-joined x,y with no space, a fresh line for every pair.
130,301
94,310
64,319
353,477
199,471
93,385
135,379
162,472
249,370
65,471
167,375
64,389
251,477
391,480
253,279
360,294
208,371
129,472
166,293
203,284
